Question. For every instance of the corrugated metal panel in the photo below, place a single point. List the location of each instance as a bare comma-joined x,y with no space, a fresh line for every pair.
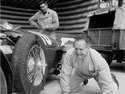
72,13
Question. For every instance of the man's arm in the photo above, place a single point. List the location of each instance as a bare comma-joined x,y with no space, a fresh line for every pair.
55,21
33,23
33,20
106,82
104,77
66,72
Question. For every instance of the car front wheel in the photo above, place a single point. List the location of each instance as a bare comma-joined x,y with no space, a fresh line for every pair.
29,64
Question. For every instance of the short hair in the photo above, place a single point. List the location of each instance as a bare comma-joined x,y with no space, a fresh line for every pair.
85,37
43,2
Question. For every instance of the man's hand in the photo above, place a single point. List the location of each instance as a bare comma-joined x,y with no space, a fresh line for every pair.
34,23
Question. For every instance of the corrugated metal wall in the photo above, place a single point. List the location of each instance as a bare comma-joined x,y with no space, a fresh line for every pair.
72,13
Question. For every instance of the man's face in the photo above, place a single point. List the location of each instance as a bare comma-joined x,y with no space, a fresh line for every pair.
81,48
43,8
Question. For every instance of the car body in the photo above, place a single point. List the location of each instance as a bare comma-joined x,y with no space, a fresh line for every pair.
27,59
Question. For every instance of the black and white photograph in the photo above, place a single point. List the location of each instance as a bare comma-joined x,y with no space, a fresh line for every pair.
62,47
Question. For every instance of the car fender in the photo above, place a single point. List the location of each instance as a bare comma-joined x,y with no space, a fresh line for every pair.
45,38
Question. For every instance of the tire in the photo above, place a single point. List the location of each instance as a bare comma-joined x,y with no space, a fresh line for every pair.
108,58
3,83
29,64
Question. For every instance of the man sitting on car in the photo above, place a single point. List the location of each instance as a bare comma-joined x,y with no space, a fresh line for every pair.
46,20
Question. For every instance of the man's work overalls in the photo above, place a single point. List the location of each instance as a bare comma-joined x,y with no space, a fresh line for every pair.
92,66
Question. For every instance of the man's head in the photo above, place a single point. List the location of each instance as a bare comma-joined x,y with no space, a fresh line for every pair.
43,7
82,45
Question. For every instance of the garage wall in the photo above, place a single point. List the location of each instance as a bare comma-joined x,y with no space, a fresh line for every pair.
72,13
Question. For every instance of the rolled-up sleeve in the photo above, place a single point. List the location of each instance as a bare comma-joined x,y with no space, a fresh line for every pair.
33,20
66,72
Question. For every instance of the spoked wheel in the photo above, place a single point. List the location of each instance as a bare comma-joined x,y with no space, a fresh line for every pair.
29,64
36,65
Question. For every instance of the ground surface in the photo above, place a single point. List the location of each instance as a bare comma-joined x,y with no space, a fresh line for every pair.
52,85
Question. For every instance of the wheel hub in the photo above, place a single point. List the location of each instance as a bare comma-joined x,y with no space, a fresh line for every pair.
36,65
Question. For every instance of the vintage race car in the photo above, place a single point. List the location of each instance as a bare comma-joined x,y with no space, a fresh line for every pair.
27,58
